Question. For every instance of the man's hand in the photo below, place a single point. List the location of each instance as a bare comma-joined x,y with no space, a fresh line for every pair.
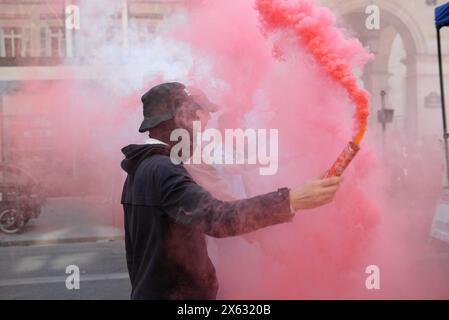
315,193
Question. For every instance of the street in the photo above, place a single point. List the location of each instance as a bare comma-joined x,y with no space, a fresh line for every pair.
38,272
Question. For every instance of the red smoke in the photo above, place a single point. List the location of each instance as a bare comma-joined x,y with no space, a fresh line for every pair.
324,252
219,47
312,26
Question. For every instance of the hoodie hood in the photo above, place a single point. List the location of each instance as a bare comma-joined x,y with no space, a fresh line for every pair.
135,154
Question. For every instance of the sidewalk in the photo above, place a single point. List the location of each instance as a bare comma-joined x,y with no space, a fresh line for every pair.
68,220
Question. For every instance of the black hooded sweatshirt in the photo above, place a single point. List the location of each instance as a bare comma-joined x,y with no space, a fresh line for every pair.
166,218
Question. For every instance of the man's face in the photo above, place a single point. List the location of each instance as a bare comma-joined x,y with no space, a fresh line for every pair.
185,117
204,117
188,113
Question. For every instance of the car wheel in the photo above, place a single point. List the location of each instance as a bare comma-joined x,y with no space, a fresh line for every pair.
10,221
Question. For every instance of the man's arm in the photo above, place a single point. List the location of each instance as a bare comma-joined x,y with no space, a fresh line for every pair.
188,203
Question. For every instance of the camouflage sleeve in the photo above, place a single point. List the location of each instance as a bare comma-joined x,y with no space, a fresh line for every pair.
185,202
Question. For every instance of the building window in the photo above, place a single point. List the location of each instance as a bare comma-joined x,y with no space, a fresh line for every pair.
144,27
52,42
12,43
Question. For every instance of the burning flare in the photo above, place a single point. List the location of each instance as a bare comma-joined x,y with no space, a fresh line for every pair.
311,26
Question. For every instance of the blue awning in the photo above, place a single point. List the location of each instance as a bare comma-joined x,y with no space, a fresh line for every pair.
442,15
